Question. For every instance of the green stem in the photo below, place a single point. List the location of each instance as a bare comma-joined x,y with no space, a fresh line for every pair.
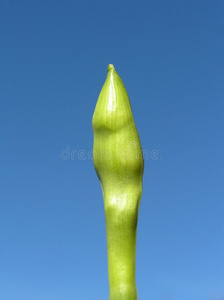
121,230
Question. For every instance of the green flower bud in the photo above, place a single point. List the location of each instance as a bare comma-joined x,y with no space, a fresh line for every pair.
118,161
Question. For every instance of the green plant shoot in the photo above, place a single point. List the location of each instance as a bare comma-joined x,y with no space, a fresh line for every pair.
118,161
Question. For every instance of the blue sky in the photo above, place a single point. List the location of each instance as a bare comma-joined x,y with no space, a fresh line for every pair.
53,57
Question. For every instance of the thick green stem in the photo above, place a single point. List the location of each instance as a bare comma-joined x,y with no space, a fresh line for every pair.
121,226
121,212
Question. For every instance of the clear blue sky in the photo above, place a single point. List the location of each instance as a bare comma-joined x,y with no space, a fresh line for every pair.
53,61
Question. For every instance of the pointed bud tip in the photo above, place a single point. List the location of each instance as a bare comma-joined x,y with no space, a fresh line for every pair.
110,68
